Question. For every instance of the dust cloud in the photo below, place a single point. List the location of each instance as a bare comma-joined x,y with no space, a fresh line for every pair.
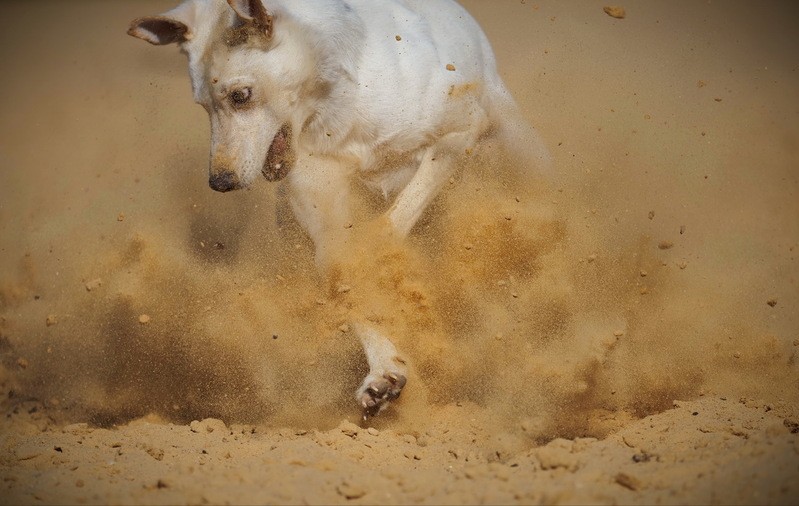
657,262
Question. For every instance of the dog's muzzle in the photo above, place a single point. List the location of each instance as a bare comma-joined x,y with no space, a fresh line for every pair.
223,181
280,157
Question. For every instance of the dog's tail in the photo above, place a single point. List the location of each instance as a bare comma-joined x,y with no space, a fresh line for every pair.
520,141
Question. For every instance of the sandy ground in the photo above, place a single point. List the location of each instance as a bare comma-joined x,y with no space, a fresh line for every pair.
624,330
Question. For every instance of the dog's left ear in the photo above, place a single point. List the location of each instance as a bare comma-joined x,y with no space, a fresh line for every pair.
255,12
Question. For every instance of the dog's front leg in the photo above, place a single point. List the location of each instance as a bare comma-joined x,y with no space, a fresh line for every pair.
319,192
437,166
387,370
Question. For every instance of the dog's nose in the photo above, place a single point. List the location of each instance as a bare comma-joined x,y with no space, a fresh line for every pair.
223,181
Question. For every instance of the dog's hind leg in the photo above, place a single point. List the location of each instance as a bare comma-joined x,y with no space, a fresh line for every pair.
387,371
438,164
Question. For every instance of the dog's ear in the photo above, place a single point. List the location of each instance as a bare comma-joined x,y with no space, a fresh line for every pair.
169,27
255,12
159,30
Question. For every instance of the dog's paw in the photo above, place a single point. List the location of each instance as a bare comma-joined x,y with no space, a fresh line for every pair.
377,391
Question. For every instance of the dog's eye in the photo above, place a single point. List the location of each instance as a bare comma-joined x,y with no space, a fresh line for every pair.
241,96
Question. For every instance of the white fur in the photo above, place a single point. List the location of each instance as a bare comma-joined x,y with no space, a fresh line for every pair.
409,80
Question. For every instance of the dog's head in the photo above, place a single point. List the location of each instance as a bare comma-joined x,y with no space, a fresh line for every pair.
245,75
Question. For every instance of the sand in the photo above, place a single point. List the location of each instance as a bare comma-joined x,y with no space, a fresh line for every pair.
621,330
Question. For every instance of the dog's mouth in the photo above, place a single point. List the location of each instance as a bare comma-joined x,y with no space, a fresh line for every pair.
280,157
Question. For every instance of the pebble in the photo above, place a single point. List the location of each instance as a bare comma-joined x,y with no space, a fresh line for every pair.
615,11
350,491
372,431
772,302
450,67
144,319
349,429
628,481
94,284
51,320
665,245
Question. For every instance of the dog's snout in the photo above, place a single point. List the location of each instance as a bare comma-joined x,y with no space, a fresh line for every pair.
223,181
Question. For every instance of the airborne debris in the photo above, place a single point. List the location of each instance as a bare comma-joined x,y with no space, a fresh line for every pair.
93,284
615,11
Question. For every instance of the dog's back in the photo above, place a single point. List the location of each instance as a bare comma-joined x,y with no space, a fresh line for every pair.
434,61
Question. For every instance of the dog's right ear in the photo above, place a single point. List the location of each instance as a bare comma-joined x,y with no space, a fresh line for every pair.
169,27
159,30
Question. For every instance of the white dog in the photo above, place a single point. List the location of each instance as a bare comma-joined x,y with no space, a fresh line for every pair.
321,91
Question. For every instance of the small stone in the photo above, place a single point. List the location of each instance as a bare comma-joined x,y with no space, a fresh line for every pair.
682,264
737,354
665,245
121,217
651,215
349,429
144,319
628,481
468,246
591,258
344,328
51,320
450,67
682,229
343,288
79,483
398,37
22,363
772,302
372,431
618,333
615,11
350,491
94,284
643,273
